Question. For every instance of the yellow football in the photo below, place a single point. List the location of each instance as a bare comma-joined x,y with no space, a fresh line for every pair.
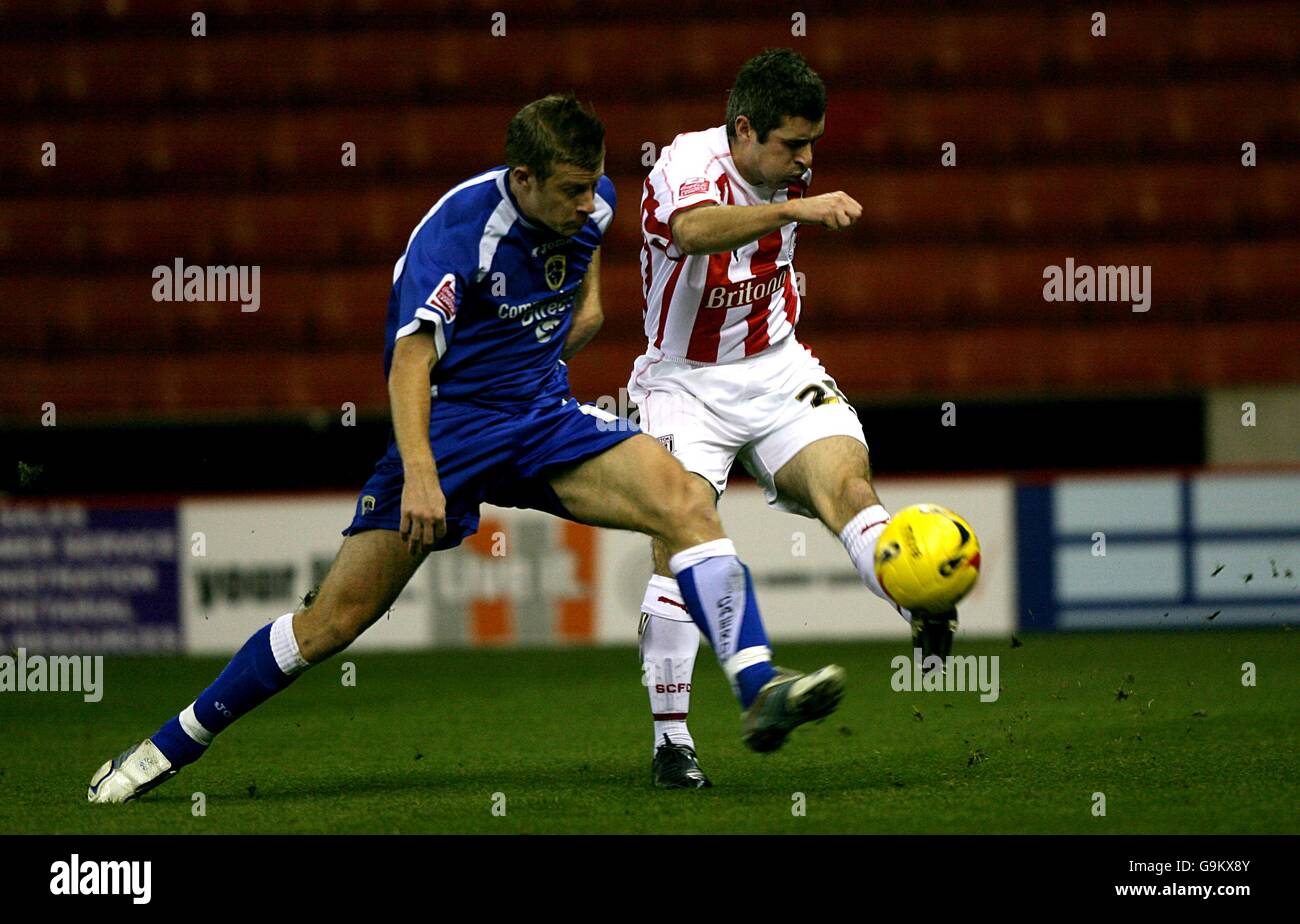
927,558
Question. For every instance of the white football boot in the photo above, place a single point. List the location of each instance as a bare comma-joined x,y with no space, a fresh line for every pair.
131,774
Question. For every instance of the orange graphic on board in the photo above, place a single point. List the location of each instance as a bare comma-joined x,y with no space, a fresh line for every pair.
491,619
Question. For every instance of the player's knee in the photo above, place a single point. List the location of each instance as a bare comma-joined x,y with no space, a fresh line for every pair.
703,514
686,511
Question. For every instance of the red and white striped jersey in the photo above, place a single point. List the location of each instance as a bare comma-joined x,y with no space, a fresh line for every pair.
713,308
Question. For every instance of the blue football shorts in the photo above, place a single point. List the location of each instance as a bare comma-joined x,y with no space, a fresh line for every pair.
499,456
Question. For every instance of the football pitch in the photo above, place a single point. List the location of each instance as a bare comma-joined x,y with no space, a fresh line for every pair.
558,741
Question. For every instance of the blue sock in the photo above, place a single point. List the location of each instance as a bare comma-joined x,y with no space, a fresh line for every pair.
751,680
719,593
250,679
177,746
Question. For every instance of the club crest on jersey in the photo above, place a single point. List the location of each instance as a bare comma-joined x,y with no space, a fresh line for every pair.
666,441
694,186
443,298
367,504
554,271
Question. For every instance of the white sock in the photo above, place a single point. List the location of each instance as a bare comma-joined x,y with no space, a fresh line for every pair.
284,645
669,642
859,538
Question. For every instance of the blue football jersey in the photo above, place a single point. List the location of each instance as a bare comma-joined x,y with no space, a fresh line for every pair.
496,291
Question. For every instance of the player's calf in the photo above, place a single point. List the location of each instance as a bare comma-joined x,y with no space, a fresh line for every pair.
670,641
637,485
323,630
368,574
717,588
831,478
715,585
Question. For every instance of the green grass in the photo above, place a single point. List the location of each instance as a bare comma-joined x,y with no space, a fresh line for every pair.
422,742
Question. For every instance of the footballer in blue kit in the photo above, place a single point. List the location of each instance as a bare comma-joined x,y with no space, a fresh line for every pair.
497,293
499,284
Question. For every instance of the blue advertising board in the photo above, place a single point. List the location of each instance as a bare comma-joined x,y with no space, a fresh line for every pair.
1159,551
82,580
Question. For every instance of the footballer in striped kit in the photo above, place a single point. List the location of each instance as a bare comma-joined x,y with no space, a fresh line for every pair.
724,379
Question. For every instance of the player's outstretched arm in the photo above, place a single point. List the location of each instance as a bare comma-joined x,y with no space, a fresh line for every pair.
588,315
719,228
424,508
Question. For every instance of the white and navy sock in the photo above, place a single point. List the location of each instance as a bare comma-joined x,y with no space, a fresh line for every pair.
859,537
267,663
717,589
669,643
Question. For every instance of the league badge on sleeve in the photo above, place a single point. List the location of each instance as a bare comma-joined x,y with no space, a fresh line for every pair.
693,187
443,298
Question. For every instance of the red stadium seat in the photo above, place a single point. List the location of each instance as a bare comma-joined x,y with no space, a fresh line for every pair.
227,151
24,328
863,128
594,52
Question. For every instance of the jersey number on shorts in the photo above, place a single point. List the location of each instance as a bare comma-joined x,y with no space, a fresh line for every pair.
817,394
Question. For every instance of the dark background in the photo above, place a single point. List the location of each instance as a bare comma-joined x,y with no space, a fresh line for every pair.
226,149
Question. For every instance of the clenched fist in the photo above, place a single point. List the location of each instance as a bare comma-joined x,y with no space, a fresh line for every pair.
834,210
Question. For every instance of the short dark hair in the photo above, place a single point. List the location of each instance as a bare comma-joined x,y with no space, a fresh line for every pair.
552,130
774,84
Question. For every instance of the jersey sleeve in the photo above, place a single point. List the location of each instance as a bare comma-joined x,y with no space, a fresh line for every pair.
432,285
685,177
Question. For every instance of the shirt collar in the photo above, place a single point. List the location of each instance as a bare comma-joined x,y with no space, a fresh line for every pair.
503,183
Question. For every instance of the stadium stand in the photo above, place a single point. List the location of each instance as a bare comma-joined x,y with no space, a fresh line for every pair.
226,150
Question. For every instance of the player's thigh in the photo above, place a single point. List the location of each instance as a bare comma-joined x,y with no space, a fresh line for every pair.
831,476
636,485
367,575
699,434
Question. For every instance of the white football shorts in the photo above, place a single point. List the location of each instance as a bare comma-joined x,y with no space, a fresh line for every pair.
761,410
